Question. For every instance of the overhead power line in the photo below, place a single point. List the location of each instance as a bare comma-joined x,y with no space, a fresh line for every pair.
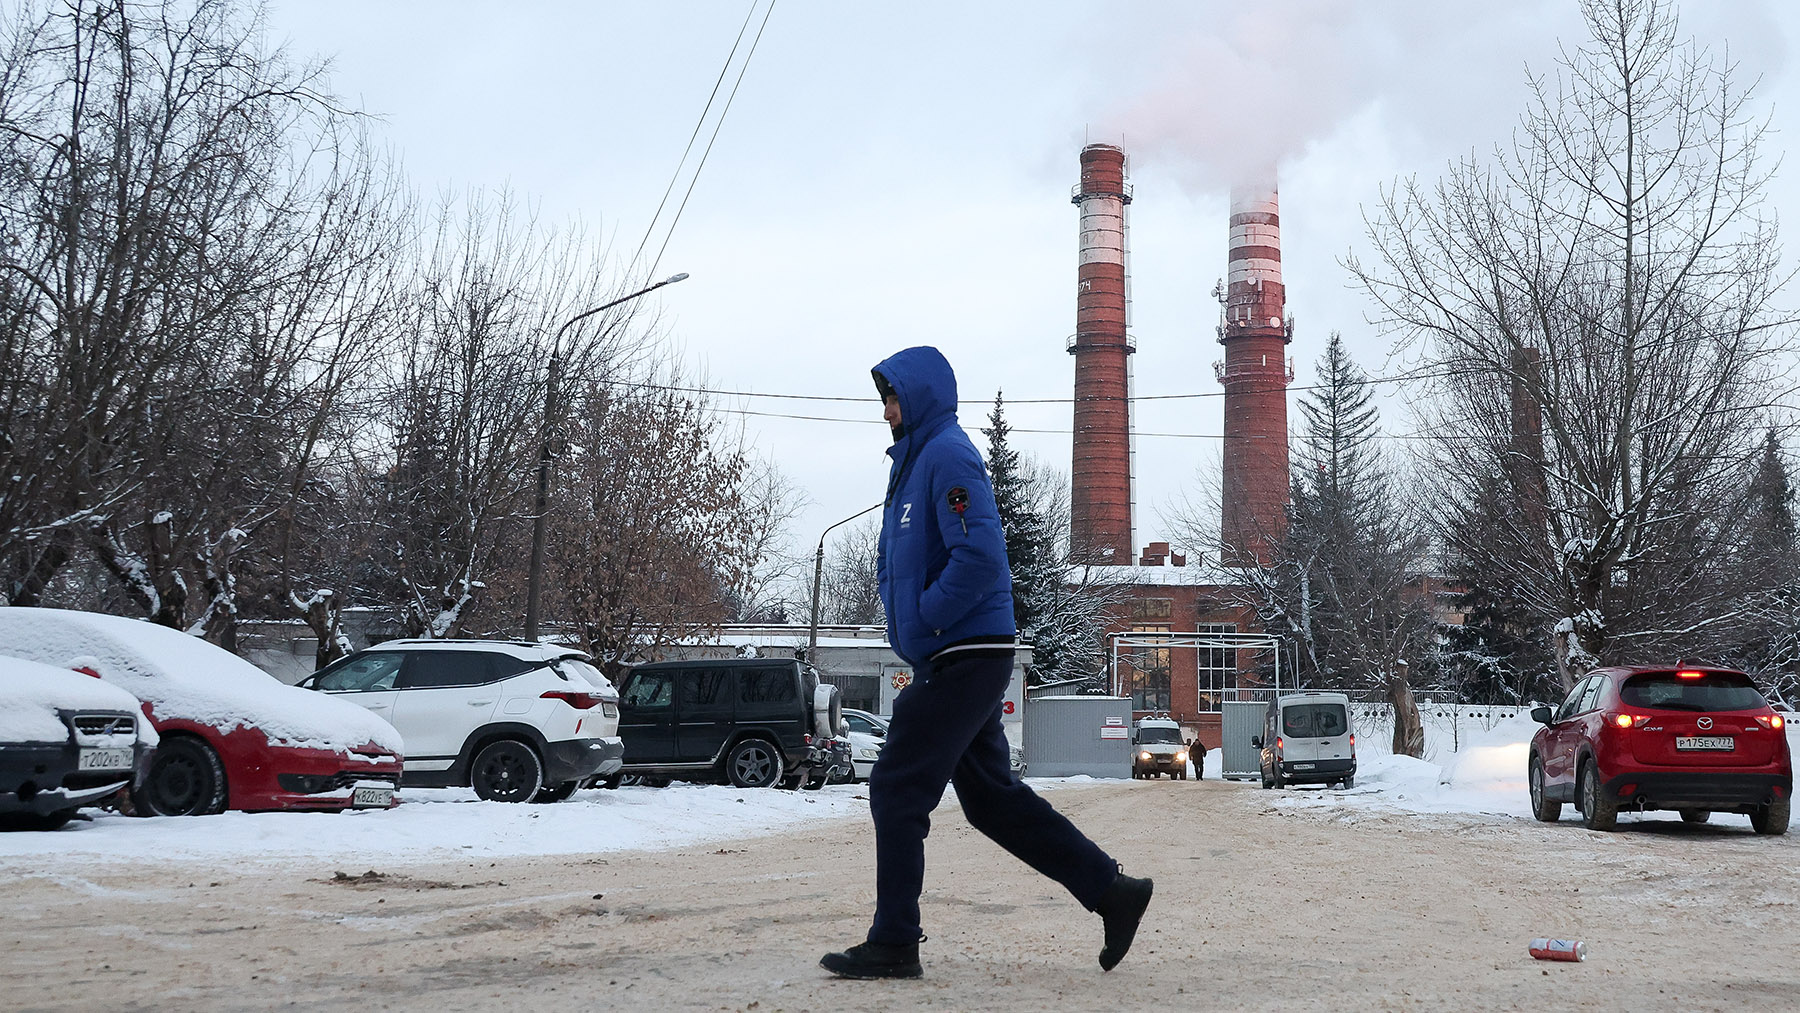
675,176
717,124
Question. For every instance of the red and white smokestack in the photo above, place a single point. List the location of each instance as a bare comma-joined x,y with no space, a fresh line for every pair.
1255,331
1100,493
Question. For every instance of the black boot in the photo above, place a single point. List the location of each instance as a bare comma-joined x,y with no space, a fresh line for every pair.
876,960
1121,908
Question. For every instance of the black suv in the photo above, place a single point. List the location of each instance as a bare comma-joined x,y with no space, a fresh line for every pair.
751,722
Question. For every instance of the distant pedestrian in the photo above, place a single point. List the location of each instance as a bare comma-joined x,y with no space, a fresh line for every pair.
948,591
1197,756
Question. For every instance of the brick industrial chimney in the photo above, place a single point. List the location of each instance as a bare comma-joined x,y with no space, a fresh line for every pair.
1100,495
1255,331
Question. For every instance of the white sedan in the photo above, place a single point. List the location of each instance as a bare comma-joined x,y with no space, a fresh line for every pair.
868,733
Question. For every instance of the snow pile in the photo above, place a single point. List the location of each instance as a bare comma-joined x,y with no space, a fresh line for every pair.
184,677
32,693
441,823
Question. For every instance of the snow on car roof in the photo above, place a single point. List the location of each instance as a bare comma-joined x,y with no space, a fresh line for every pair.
522,650
182,676
31,693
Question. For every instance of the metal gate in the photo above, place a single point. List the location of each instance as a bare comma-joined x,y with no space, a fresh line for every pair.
1069,735
1240,721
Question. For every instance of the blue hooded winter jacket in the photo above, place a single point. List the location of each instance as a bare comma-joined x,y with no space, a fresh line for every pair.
943,572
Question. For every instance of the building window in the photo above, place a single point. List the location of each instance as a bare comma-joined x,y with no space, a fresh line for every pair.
1218,676
1147,669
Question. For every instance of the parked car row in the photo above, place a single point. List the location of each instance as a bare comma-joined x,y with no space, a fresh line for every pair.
96,708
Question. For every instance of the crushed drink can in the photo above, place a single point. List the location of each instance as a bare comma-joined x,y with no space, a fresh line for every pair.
1559,949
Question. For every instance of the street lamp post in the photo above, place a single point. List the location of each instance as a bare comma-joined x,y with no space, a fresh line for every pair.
812,640
535,576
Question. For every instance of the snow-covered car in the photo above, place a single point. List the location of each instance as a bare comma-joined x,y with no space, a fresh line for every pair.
66,741
868,733
233,736
515,721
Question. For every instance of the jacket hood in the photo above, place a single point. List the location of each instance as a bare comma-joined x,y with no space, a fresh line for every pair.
926,385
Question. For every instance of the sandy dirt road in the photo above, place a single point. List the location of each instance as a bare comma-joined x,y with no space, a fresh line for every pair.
1257,906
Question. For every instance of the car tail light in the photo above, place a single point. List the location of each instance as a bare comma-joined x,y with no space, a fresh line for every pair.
1631,720
1622,720
1278,743
579,701
1353,742
1769,720
1689,675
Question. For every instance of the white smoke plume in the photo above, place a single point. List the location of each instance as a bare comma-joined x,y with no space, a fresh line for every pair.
1239,87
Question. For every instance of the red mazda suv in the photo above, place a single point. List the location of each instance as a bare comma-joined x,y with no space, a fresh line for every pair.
1694,739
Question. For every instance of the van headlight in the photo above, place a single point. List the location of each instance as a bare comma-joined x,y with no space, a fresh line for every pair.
1181,757
1144,756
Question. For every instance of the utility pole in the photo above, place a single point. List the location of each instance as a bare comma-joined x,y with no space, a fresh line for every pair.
812,640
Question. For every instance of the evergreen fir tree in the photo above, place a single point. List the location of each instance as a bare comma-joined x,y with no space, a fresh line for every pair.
1339,582
1770,519
1031,548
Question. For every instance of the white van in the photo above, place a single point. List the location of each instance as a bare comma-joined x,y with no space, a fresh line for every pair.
1159,749
1307,739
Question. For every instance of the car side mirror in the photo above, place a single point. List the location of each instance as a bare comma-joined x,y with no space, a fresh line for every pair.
1541,715
1256,742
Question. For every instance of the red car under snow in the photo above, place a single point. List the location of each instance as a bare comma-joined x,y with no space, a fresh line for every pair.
233,736
1694,739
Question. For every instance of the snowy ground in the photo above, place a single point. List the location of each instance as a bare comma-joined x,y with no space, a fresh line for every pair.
1476,766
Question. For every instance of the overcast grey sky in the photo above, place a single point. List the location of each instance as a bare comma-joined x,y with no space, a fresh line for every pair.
900,174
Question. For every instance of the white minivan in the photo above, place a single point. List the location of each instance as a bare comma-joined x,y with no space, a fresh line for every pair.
1307,739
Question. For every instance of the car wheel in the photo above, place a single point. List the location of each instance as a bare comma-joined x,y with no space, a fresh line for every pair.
1349,783
1597,812
555,792
1266,783
1772,818
1275,778
186,779
36,821
1542,808
754,763
1695,815
506,771
611,781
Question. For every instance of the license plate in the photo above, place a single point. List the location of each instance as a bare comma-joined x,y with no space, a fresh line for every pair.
1303,766
104,759
363,797
1723,743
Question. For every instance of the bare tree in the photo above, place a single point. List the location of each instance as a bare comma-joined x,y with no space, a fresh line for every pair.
464,410
763,591
1606,284
850,591
190,226
658,525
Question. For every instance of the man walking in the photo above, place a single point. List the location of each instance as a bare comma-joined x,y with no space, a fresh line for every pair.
948,591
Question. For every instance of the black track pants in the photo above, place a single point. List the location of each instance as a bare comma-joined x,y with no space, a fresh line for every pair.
946,728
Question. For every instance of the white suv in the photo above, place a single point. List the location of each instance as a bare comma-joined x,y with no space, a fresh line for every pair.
516,721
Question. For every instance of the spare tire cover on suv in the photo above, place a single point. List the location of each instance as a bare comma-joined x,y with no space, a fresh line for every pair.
828,710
